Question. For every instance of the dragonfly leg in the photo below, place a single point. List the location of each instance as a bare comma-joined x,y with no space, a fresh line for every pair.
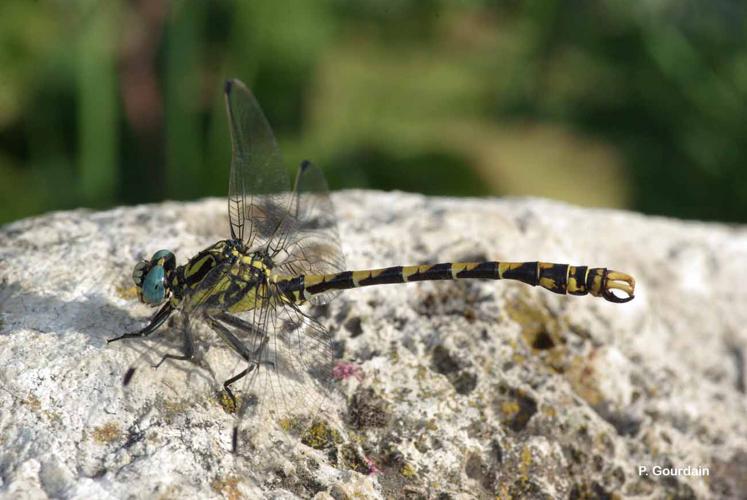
236,378
188,349
239,323
156,321
239,348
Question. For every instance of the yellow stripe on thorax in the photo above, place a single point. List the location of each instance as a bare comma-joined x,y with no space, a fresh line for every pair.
195,267
247,303
201,296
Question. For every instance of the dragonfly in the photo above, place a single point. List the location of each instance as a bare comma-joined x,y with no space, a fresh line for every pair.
283,254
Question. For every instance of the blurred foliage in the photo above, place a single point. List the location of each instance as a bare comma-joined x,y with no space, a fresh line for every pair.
604,103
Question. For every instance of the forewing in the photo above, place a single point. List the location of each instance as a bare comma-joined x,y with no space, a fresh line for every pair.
258,186
299,229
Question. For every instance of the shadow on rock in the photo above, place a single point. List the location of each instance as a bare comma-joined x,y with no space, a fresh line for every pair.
95,316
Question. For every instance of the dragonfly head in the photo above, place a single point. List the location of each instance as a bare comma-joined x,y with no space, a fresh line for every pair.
151,277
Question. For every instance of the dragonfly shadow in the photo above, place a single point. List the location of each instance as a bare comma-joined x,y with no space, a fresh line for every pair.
94,316
98,320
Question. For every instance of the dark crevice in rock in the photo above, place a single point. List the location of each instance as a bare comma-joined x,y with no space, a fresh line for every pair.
368,409
543,341
353,325
624,423
443,362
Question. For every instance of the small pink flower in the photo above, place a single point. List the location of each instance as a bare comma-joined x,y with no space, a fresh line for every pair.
372,468
343,370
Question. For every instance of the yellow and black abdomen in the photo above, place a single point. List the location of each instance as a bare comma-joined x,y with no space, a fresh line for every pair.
558,278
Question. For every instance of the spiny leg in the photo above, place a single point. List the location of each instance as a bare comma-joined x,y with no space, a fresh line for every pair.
239,323
156,321
227,383
239,348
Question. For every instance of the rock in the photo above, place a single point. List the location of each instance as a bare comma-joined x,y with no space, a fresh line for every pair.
449,389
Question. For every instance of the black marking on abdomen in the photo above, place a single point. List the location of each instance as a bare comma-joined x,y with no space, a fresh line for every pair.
434,272
558,273
579,273
289,287
526,272
386,276
339,281
484,270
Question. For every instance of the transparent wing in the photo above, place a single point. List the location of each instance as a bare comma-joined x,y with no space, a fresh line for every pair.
290,354
311,244
258,187
297,229
293,373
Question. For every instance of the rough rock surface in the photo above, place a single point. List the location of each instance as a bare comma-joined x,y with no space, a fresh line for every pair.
456,389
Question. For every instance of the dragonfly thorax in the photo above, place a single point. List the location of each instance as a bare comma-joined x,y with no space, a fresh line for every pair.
262,260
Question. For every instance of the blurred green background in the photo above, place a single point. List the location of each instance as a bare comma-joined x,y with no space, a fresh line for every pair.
600,103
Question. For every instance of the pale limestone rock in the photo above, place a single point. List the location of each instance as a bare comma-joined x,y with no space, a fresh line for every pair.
471,389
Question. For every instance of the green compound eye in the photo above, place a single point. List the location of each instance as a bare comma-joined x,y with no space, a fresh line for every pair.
161,254
154,290
165,258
